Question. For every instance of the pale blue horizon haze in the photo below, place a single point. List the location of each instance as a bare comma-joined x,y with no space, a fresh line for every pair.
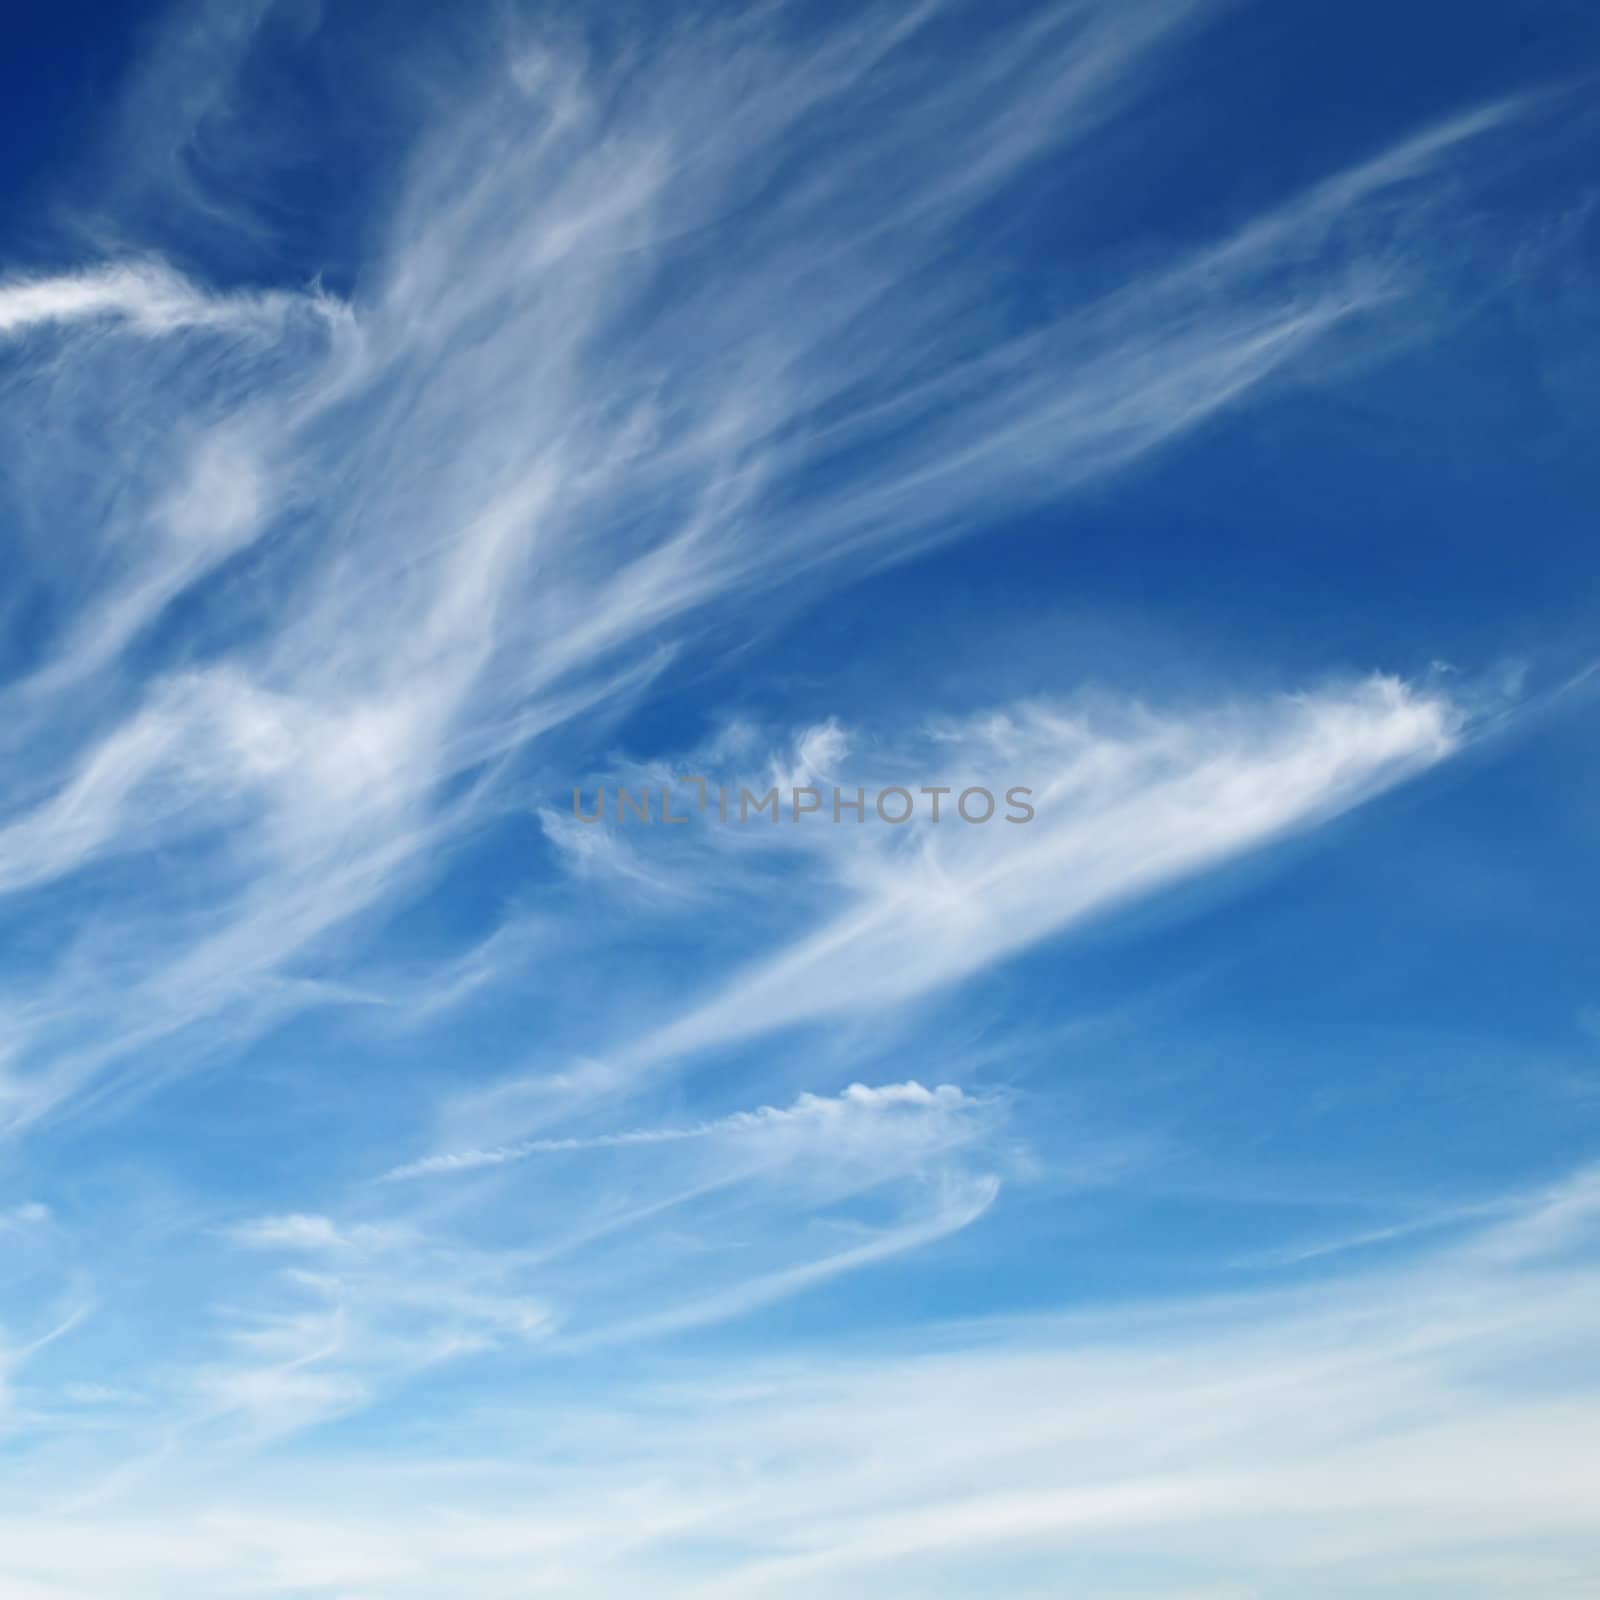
412,415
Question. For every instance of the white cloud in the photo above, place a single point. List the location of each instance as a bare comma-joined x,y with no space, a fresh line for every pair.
859,1112
1393,1427
295,1231
312,586
147,297
1127,800
549,436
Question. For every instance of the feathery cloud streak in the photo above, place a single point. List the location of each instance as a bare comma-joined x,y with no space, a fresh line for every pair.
684,1184
556,422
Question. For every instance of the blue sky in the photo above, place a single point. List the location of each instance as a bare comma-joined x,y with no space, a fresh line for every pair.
1177,408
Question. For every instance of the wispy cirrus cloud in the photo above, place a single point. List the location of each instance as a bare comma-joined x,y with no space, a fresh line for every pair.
831,1118
147,298
581,1210
488,493
1175,1440
1127,800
